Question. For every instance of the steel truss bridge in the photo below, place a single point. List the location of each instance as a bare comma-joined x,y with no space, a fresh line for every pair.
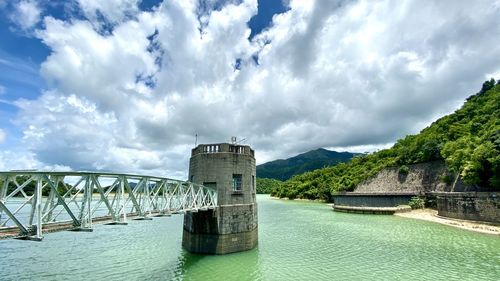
34,202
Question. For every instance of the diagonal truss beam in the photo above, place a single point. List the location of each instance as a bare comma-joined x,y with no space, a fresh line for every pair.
31,201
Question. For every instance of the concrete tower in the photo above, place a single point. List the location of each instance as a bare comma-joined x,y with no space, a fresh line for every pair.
232,226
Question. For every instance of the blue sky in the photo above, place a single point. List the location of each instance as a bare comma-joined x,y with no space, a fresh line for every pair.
125,85
22,52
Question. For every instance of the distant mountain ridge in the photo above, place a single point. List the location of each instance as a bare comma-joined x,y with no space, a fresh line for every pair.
284,169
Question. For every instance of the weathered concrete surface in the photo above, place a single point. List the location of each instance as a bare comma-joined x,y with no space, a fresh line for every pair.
422,177
227,229
219,243
477,206
387,199
224,219
232,226
218,168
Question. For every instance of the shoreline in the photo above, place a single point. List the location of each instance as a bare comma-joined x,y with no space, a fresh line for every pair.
296,199
431,215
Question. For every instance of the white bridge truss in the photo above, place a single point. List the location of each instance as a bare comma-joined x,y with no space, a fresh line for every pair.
33,202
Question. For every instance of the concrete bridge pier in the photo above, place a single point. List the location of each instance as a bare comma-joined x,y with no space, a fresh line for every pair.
232,225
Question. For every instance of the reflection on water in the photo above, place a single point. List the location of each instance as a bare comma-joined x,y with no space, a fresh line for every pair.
297,241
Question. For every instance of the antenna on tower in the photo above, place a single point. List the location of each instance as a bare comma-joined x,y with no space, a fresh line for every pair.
234,140
240,141
195,140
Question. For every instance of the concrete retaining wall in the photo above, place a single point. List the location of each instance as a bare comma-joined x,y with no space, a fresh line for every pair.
372,199
478,206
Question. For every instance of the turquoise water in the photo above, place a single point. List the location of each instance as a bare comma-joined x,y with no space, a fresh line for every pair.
297,241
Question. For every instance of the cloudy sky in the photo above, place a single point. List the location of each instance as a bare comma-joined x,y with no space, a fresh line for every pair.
124,85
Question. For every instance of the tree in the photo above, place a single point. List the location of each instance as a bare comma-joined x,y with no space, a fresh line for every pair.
266,186
487,85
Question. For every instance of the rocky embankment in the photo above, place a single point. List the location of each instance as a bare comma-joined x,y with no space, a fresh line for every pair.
421,178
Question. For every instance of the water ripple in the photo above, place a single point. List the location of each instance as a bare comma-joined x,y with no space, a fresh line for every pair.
297,241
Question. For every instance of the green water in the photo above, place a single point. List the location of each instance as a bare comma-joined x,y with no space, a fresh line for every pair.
297,241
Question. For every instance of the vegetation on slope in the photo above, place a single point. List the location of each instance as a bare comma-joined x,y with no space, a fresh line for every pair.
284,169
468,140
266,186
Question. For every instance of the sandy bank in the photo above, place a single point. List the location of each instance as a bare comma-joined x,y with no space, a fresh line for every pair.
431,215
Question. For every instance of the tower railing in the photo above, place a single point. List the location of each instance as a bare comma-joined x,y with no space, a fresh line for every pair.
33,202
222,148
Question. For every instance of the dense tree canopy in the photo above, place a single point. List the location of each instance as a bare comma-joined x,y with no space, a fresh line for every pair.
468,140
265,186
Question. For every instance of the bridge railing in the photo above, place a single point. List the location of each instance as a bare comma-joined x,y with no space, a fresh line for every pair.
32,202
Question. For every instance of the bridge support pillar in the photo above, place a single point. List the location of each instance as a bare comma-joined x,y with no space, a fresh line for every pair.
233,225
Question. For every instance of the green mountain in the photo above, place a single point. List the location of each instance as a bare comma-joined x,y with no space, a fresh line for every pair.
468,140
312,160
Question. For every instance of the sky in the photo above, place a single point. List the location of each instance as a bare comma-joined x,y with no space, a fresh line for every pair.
126,85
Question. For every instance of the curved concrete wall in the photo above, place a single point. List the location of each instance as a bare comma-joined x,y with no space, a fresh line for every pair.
372,199
217,163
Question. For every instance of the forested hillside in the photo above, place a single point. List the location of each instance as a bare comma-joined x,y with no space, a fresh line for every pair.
284,169
468,140
266,186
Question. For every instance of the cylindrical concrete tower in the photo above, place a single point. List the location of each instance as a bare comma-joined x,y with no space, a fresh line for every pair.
232,226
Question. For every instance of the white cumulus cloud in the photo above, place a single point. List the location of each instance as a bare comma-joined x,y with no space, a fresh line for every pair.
26,14
112,10
326,74
25,160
